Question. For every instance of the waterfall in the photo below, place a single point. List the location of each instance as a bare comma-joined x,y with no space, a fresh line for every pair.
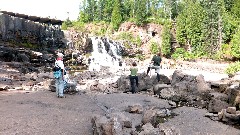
105,53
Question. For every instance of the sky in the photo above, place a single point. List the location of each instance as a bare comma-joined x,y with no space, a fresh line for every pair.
60,9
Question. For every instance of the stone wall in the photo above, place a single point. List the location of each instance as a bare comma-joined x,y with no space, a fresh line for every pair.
19,30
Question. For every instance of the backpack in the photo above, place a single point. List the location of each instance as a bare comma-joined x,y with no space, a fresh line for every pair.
57,71
57,74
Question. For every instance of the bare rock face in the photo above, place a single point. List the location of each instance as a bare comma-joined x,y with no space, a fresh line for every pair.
147,33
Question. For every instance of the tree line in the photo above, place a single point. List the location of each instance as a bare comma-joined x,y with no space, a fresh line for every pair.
203,27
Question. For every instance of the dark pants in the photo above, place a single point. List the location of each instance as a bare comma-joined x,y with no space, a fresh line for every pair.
132,78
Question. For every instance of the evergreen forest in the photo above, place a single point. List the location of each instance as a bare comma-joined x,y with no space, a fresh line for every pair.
204,28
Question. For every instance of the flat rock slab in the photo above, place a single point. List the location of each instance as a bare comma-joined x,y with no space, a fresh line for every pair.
28,113
38,113
122,101
191,121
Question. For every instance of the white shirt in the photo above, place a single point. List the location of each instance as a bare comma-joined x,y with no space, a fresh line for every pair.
59,63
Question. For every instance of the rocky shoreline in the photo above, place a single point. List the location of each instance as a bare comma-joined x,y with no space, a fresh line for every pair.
184,102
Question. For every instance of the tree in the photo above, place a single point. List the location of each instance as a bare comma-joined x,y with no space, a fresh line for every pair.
126,9
166,40
116,15
235,8
99,10
235,44
214,24
189,31
107,11
141,11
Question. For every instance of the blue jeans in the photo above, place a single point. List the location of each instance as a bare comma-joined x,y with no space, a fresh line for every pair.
59,83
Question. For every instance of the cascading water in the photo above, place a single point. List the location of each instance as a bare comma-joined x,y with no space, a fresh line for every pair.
105,53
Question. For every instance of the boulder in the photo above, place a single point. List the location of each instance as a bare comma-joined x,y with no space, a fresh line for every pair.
189,83
149,116
216,105
231,110
158,87
221,85
104,126
135,109
219,96
233,96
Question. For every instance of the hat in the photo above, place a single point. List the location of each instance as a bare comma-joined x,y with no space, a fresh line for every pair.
60,55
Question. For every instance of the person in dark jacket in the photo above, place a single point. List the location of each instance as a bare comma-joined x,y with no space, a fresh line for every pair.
155,64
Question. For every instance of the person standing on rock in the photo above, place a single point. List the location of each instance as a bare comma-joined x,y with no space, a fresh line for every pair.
155,64
133,77
59,82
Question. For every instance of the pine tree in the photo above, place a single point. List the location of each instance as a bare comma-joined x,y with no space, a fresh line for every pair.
116,15
107,11
141,11
189,27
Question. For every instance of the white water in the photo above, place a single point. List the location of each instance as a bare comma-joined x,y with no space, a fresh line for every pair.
100,57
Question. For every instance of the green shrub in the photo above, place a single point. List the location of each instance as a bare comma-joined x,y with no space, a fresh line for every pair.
178,54
138,41
79,25
154,48
235,44
29,45
181,53
233,68
140,57
125,36
64,26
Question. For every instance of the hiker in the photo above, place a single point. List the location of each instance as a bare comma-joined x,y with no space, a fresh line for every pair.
133,76
155,64
59,81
